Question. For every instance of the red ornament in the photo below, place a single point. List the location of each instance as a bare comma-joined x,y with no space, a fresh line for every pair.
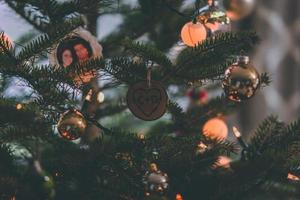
198,95
203,96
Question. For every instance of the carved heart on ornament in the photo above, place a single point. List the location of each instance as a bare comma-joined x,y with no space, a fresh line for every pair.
147,100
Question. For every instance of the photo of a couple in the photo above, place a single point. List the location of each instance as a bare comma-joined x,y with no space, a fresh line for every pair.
73,50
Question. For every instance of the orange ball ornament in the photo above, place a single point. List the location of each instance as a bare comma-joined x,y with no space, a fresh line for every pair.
215,129
192,34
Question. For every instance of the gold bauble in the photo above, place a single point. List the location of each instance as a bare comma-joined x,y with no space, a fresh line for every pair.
241,80
214,19
72,125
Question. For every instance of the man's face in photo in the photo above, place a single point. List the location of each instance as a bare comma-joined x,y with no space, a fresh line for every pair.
81,52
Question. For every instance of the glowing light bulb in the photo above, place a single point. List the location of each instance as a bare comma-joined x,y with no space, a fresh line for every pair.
215,129
193,34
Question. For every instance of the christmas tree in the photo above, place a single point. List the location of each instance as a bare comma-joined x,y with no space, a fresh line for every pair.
64,140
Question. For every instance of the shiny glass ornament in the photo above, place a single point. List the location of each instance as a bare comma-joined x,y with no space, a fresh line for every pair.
155,181
241,80
238,9
213,18
72,125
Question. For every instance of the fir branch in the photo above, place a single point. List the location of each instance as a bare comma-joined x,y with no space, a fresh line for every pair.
194,118
265,79
33,18
148,52
35,47
7,159
266,136
210,71
125,70
213,51
81,6
108,110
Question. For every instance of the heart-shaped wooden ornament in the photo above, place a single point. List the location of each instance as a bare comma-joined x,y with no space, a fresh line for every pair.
147,102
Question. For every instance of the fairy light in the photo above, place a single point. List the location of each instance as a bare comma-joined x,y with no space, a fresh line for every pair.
19,106
236,132
179,197
89,95
238,136
100,97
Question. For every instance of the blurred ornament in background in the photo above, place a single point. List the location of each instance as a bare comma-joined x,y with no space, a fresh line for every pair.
208,21
215,129
7,41
193,33
72,124
155,181
238,9
198,95
241,80
222,162
213,18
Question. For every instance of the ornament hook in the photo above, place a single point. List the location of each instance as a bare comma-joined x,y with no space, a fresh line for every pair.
149,76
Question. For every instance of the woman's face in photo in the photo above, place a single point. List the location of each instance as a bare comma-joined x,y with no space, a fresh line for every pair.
67,58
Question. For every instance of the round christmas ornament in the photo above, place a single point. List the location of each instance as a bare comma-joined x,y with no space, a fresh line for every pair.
241,80
193,33
215,128
77,47
155,181
147,101
213,18
72,125
238,9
